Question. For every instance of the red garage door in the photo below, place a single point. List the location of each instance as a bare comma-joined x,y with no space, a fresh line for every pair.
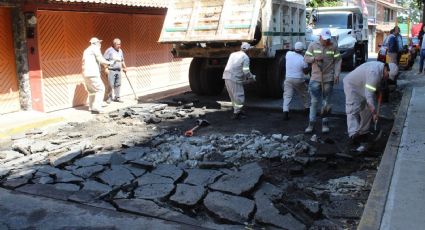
9,95
63,36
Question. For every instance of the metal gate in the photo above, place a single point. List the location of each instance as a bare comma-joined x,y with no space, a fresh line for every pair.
9,94
63,36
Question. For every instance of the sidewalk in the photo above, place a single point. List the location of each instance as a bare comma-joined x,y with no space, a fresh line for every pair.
396,201
405,206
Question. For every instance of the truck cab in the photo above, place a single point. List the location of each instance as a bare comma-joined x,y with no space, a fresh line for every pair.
348,29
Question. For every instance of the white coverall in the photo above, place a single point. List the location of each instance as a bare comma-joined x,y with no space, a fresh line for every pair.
92,59
359,87
294,80
235,74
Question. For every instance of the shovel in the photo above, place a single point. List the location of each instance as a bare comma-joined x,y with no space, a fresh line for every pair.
377,119
326,109
200,123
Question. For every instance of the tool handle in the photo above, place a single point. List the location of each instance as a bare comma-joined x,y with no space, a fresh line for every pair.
377,110
189,132
194,128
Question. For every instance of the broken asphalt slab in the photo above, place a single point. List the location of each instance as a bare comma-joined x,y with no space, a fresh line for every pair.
20,211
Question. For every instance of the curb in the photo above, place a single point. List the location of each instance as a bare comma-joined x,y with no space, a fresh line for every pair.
375,206
25,127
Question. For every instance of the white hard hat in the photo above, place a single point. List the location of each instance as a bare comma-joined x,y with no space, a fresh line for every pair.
393,71
299,46
325,34
94,40
245,46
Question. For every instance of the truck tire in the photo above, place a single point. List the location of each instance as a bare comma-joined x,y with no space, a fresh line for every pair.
350,62
212,82
194,75
259,69
276,75
362,54
366,52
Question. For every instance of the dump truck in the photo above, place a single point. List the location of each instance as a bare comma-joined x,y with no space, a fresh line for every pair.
208,31
348,27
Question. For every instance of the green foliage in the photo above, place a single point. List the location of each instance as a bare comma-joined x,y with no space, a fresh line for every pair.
323,3
411,10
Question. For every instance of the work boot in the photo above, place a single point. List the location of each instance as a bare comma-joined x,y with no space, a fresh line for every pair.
310,127
237,116
117,99
285,115
325,127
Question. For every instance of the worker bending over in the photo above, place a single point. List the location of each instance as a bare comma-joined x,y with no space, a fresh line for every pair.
360,87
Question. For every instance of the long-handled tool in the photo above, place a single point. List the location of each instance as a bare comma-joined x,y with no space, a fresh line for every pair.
377,118
326,108
199,123
134,92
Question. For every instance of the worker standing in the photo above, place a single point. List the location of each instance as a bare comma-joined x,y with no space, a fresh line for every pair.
393,47
294,78
360,87
114,53
235,75
92,59
326,67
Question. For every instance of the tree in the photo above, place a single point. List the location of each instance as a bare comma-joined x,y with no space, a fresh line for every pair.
321,3
420,4
411,10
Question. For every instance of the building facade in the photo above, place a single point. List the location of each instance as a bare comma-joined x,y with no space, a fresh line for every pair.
45,40
382,17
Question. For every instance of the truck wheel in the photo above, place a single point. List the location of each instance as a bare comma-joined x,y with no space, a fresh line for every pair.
276,75
194,75
259,68
351,62
366,52
212,82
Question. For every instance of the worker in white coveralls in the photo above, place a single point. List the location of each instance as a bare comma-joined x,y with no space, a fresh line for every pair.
235,75
360,87
91,63
294,78
326,67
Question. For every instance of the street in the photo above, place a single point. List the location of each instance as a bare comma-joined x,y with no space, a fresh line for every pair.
257,172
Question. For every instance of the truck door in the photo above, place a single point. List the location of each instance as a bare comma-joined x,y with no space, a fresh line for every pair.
356,26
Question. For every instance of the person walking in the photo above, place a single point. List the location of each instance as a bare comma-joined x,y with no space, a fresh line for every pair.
294,78
326,68
422,51
235,74
360,87
115,53
393,47
91,63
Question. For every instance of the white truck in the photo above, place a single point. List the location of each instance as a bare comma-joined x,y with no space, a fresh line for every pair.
347,26
210,30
